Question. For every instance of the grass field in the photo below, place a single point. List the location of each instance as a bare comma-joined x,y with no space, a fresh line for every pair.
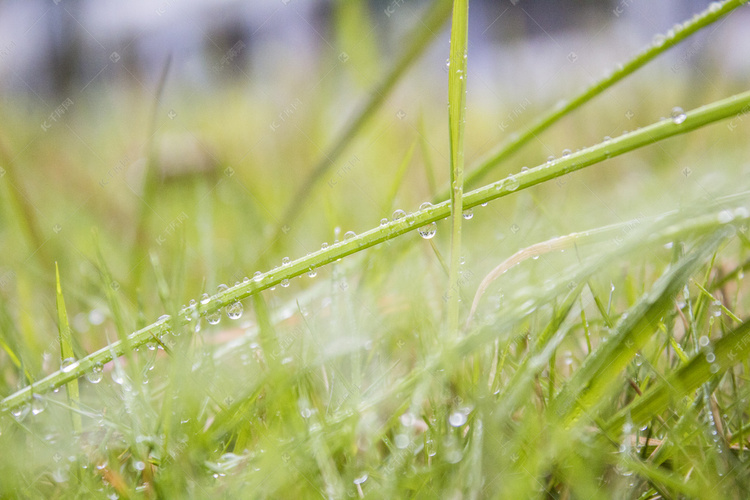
241,311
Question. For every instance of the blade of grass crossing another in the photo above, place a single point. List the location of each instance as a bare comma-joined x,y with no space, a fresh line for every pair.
67,356
591,384
488,163
457,126
418,42
711,361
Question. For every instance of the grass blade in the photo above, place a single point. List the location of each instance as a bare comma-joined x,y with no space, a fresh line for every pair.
729,350
67,355
592,382
457,126
687,29
418,42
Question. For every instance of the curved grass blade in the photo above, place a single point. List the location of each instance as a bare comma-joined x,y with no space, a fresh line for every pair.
733,106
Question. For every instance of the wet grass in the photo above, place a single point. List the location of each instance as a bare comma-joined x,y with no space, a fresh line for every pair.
604,353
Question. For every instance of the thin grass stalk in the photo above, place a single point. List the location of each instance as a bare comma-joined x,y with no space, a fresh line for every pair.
457,126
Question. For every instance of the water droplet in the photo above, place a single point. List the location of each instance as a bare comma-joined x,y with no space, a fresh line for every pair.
524,169
20,412
205,299
398,214
361,479
117,377
312,273
401,441
710,357
511,183
138,465
95,375
221,288
716,308
234,310
659,40
703,341
349,235
68,364
285,261
566,152
192,303
457,419
60,475
468,214
425,205
725,216
550,158
407,419
214,317
37,406
428,231
678,115
284,283
164,317
430,447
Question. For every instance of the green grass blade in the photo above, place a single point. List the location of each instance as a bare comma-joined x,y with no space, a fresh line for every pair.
417,43
399,177
457,125
9,341
729,350
592,382
688,28
67,355
150,187
23,206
